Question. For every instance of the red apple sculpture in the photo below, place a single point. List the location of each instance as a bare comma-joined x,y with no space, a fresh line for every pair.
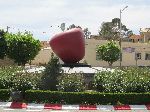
69,46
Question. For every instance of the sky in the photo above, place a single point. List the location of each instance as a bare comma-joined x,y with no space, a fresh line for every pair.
42,17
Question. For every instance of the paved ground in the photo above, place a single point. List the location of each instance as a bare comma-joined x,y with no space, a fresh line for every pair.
33,110
31,107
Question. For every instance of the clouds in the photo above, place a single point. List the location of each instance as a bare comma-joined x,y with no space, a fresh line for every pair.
39,15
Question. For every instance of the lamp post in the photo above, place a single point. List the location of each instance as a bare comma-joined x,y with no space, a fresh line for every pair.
121,10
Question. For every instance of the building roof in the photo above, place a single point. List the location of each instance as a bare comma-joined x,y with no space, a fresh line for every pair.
136,37
144,30
45,44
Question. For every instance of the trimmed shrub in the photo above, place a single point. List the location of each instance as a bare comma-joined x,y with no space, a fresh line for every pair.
26,81
86,97
71,82
137,79
7,74
4,94
12,77
107,81
125,80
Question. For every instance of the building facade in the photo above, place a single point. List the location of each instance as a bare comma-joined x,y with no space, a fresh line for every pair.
145,33
133,54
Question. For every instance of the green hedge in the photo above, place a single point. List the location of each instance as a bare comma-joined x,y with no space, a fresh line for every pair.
86,97
4,94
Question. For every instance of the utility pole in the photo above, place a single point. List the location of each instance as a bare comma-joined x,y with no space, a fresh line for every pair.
121,10
7,28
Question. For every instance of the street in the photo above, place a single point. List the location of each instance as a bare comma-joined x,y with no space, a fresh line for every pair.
48,110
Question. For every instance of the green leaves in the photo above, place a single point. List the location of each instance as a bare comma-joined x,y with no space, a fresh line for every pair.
26,81
88,98
109,52
12,77
22,47
3,44
6,76
111,30
107,30
50,74
124,81
71,83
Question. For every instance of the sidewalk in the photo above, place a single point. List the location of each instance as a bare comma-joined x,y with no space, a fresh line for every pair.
18,105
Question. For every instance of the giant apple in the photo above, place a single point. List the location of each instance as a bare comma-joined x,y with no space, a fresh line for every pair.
69,46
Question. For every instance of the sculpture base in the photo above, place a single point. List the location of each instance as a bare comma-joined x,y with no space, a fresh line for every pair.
71,65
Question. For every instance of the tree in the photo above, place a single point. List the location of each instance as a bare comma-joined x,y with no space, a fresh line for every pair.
125,31
22,47
109,52
62,26
73,26
111,30
3,44
86,31
107,31
51,73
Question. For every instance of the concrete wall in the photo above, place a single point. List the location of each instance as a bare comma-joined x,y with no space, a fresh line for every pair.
43,57
146,37
128,59
6,62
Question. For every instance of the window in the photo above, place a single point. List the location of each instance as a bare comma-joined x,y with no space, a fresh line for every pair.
133,40
147,56
130,40
137,56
